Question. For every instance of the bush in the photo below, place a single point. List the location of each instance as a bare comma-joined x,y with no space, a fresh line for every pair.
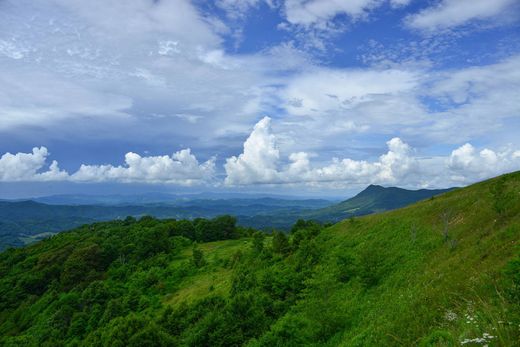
198,257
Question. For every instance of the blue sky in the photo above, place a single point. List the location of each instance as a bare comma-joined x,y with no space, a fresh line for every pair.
316,97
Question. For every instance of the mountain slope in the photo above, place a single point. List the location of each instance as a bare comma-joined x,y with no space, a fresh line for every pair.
442,272
371,200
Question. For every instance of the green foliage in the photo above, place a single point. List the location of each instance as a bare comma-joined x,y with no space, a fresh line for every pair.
198,257
369,281
280,243
83,265
258,242
438,338
512,280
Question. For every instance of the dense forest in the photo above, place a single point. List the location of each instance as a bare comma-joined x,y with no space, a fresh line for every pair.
442,272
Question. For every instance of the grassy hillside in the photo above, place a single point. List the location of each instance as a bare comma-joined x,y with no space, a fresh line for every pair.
442,272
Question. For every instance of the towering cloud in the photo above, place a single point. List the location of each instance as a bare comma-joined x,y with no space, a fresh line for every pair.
261,162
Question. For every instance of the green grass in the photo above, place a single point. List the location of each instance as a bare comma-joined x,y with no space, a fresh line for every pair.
426,282
213,278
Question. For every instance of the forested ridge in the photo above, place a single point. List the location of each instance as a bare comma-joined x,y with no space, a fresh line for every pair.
442,272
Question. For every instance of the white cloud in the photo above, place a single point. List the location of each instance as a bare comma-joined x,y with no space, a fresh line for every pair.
261,163
257,164
29,166
452,13
303,12
98,65
466,161
444,106
45,99
13,49
140,18
322,90
181,168
476,101
168,47
237,9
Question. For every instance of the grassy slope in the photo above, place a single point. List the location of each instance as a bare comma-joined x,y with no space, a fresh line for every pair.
425,285
214,278
424,281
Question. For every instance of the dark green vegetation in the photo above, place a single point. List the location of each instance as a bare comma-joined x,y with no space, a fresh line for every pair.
442,272
25,222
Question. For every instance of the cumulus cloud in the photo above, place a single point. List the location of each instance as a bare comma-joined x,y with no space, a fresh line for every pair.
181,168
261,163
452,13
258,162
29,166
468,161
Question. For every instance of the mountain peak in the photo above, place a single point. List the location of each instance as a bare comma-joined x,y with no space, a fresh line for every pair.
373,188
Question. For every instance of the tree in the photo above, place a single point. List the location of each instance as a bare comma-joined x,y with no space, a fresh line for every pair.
152,241
225,227
183,228
82,265
280,243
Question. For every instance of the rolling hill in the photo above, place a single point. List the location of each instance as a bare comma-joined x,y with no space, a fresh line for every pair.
441,272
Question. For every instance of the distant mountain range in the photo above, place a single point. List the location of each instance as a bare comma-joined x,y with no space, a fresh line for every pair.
169,198
23,222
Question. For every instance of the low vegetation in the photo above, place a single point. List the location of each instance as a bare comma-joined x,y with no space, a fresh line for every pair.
442,272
